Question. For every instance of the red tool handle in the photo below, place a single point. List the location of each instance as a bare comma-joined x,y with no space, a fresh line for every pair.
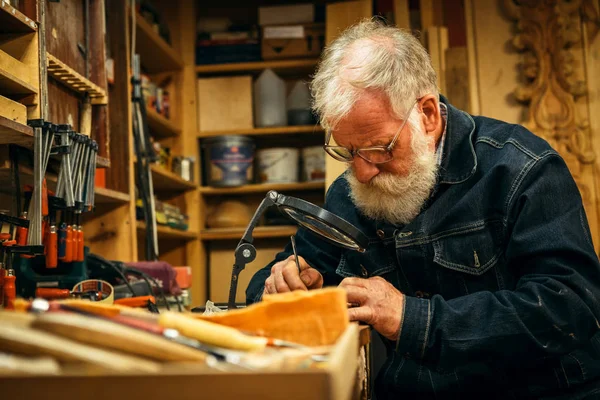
52,293
139,301
52,248
44,198
10,291
69,244
80,244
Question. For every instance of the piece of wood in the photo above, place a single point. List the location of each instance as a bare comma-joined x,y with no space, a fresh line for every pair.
312,318
27,341
473,77
67,76
402,14
108,231
156,54
280,67
165,180
263,188
22,319
104,195
13,111
225,103
15,132
65,31
15,77
437,44
110,335
278,130
457,77
13,21
237,233
166,232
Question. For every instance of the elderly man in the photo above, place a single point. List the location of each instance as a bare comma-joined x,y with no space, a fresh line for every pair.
480,273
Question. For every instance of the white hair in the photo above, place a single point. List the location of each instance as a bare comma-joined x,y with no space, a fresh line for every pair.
370,55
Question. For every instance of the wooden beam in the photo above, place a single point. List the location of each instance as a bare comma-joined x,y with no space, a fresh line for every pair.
402,14
13,111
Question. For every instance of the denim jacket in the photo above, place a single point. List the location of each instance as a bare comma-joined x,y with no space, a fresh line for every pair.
501,279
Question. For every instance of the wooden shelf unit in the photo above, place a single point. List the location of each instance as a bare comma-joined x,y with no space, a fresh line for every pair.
75,81
258,233
109,196
161,127
14,21
156,54
276,130
12,132
166,232
165,180
15,77
262,188
280,67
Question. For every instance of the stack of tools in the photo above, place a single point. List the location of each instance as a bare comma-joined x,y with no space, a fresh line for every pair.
52,254
119,338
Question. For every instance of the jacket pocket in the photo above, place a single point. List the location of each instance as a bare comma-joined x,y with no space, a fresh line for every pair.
472,249
377,260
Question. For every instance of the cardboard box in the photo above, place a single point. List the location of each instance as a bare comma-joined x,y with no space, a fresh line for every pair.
292,14
292,41
336,380
225,103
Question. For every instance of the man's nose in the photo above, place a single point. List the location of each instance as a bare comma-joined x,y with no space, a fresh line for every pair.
364,170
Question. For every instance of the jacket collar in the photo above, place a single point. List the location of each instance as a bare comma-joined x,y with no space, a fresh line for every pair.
459,161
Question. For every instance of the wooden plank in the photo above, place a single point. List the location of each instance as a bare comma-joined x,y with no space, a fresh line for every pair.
471,59
156,54
108,230
432,13
165,180
63,104
15,132
166,232
402,14
280,67
13,21
13,111
15,77
278,130
457,77
225,103
103,195
237,233
97,74
263,188
67,76
64,30
160,127
437,43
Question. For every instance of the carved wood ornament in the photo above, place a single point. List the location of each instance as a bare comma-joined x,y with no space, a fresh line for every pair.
549,34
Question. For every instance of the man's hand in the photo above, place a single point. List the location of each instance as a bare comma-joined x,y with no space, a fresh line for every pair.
379,304
285,277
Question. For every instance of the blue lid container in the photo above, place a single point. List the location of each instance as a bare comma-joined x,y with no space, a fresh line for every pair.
228,160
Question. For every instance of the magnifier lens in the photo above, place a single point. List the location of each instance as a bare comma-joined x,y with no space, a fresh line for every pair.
321,228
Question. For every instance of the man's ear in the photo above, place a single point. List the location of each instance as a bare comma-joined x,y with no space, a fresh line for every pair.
430,109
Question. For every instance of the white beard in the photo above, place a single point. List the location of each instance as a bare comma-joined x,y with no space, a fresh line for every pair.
398,199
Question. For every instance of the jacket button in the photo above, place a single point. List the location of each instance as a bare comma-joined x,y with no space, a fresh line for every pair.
380,233
363,271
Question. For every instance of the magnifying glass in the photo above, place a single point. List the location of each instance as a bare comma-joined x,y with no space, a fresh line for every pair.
323,223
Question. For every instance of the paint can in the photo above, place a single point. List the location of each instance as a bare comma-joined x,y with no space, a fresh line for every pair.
278,165
313,160
228,160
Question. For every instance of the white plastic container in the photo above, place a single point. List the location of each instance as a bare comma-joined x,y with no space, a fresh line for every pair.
298,105
313,160
278,165
269,100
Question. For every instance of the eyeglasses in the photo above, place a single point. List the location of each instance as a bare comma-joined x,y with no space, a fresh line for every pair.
373,154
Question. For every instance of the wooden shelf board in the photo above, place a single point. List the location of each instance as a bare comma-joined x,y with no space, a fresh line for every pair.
14,21
11,84
259,232
155,53
109,196
166,232
161,127
281,67
70,78
263,188
16,133
277,130
102,162
164,180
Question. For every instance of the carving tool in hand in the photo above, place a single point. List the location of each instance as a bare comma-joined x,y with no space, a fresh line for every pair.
293,240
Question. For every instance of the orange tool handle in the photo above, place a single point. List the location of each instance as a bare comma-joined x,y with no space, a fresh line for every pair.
22,236
8,243
44,198
75,243
139,301
52,293
52,249
80,244
4,236
10,291
69,245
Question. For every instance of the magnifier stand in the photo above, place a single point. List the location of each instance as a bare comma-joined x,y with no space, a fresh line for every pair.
245,252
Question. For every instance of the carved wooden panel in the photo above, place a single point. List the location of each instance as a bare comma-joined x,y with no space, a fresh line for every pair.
549,34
